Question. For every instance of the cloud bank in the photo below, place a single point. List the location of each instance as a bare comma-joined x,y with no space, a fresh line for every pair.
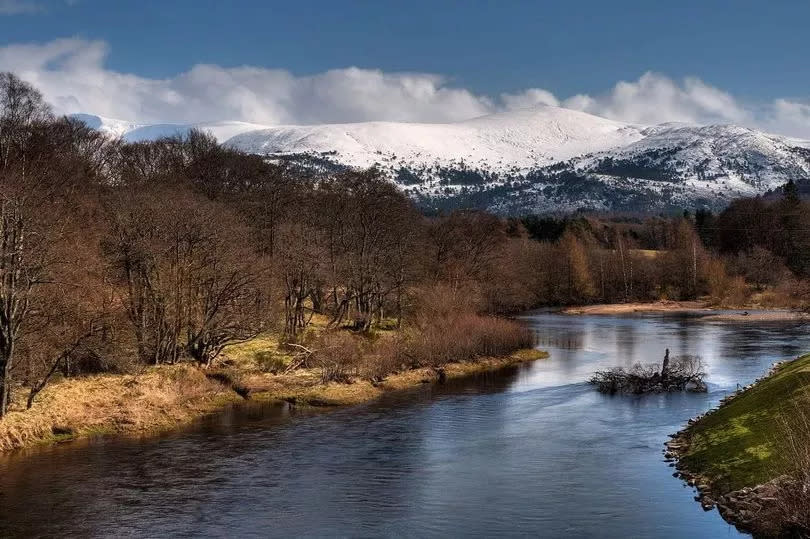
72,75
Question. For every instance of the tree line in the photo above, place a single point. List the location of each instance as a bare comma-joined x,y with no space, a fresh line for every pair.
115,255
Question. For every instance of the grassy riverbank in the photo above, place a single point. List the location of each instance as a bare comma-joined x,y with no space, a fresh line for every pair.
162,398
741,444
740,454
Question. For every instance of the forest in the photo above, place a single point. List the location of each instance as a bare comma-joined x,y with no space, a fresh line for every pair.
116,255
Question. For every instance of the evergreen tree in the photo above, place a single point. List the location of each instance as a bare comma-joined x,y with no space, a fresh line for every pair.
790,193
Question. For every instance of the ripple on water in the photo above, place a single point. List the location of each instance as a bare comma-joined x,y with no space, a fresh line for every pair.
533,451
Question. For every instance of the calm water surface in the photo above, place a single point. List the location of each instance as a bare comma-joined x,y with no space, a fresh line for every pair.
533,451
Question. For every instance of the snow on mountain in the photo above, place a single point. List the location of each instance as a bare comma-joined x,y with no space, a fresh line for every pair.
521,139
134,132
114,128
538,159
743,159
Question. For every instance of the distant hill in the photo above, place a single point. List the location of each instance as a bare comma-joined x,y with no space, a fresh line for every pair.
532,160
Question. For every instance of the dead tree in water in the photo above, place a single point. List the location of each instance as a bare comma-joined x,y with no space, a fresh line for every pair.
682,374
665,367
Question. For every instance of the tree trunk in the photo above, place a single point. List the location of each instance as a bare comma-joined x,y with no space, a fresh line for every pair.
5,382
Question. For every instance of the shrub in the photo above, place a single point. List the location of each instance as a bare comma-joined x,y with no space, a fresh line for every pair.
387,357
461,335
269,361
447,327
338,354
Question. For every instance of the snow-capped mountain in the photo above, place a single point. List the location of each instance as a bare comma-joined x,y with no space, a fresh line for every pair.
539,159
135,132
523,139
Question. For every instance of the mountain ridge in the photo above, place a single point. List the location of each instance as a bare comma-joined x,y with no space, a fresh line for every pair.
529,160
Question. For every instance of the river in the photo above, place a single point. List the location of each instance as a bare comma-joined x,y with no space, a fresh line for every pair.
530,451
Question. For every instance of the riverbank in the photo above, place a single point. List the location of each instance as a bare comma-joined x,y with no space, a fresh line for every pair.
165,397
640,307
699,308
744,455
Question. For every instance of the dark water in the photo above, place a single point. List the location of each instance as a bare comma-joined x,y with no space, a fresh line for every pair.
533,451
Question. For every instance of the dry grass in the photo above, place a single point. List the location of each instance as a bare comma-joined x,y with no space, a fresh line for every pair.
346,368
793,491
158,399
304,386
164,397
649,254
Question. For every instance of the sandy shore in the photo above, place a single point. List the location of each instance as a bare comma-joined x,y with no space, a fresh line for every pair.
758,316
691,307
629,308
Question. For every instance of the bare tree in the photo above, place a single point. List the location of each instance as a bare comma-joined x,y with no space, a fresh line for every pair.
366,223
191,282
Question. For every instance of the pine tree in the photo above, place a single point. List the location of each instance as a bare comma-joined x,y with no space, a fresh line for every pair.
790,192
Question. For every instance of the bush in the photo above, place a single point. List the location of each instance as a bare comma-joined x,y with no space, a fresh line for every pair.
387,357
269,361
447,329
338,354
725,290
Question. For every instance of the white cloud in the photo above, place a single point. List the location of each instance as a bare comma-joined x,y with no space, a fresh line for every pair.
788,117
529,98
28,7
19,7
654,98
72,75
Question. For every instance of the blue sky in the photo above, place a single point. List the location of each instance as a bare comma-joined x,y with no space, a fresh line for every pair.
755,52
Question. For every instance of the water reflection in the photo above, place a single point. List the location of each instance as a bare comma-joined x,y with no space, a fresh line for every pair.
532,451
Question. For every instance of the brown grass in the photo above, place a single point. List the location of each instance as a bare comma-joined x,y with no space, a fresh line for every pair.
345,368
158,399
164,397
793,491
304,387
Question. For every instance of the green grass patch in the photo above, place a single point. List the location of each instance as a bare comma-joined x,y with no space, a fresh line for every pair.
740,444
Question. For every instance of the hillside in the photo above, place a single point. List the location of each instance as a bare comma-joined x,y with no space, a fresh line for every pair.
741,444
749,456
502,142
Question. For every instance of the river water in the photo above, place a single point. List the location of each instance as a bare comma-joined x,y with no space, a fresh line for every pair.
530,451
